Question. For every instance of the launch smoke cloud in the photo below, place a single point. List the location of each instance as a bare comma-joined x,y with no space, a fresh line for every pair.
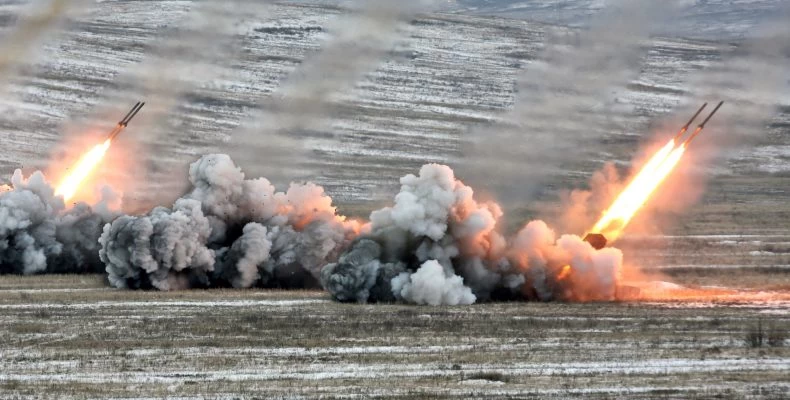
39,234
439,245
228,231
436,245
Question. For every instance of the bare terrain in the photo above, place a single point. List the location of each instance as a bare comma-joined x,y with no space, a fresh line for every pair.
71,337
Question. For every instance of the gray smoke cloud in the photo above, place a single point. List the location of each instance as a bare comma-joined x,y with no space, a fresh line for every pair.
438,245
39,234
355,45
228,231
564,103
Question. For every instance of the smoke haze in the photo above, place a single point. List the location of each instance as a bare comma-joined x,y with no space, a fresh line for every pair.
270,144
43,18
564,102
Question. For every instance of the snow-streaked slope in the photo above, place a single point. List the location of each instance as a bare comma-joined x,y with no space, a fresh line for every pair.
449,73
709,19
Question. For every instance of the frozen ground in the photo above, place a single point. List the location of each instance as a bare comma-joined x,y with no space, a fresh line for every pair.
97,343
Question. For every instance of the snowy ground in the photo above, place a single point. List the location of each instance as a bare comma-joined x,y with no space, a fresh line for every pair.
83,341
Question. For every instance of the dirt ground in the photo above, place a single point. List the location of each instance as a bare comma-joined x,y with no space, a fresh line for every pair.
73,337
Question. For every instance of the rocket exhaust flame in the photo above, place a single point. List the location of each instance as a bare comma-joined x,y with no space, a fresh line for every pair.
87,163
638,192
634,195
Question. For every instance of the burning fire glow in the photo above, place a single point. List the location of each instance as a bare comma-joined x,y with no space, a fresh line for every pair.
82,169
564,273
636,194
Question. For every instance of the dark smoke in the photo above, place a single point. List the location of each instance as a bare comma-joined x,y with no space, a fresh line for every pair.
38,234
438,245
228,231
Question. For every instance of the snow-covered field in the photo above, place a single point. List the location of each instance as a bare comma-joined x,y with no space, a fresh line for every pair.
117,344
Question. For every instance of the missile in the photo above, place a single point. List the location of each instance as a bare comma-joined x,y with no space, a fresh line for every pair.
701,126
126,119
685,128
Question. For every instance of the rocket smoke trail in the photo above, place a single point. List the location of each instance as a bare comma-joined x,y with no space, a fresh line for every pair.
752,78
563,101
357,42
31,29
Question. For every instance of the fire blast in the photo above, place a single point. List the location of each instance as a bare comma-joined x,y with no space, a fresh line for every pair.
636,194
87,163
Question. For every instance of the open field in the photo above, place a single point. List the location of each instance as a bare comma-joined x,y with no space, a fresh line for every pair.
74,337
71,337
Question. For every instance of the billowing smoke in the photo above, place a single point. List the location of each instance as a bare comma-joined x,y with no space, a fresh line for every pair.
228,231
582,208
39,234
439,245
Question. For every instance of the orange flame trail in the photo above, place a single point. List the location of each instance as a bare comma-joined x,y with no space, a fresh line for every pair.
636,194
82,169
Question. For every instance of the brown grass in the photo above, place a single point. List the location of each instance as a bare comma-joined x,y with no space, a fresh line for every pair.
489,350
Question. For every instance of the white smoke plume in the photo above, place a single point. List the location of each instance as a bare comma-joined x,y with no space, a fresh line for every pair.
228,231
438,245
196,51
38,234
432,285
